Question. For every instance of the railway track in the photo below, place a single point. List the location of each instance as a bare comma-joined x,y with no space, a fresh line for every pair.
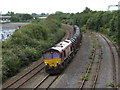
97,69
114,58
47,79
38,68
87,72
40,82
83,83
91,75
69,33
25,77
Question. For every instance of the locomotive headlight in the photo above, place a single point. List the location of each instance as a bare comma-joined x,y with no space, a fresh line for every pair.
58,63
46,63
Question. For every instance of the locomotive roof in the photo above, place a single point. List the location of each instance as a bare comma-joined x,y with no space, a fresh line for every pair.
62,45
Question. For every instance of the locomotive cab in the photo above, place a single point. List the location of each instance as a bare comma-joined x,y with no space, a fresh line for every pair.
52,58
55,57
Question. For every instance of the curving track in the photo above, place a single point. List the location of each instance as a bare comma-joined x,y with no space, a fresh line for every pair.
69,31
115,58
113,66
91,75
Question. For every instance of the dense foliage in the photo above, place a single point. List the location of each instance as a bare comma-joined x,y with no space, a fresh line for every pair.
20,17
27,44
102,21
119,30
106,22
24,17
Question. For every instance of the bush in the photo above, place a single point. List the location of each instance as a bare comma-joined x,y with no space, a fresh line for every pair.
11,65
110,84
100,21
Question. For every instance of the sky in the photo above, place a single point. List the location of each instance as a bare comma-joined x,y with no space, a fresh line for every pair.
51,6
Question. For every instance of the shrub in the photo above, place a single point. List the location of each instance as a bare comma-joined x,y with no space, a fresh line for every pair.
11,65
110,85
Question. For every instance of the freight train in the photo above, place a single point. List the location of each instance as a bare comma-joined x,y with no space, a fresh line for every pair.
56,58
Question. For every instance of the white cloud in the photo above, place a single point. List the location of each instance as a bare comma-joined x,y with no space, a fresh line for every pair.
51,6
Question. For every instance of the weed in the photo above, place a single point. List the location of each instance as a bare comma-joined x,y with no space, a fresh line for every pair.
99,46
97,61
90,57
89,67
118,85
110,84
92,51
84,77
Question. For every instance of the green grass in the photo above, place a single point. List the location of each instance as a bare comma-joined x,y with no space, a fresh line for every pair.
92,51
110,84
84,77
90,57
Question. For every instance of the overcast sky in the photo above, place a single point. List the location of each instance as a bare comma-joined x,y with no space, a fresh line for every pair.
51,6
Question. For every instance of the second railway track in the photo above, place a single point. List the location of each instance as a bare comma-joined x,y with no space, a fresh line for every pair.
114,58
91,75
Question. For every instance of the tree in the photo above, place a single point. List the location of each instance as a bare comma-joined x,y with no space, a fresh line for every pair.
119,29
43,14
34,14
87,10
10,13
26,17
